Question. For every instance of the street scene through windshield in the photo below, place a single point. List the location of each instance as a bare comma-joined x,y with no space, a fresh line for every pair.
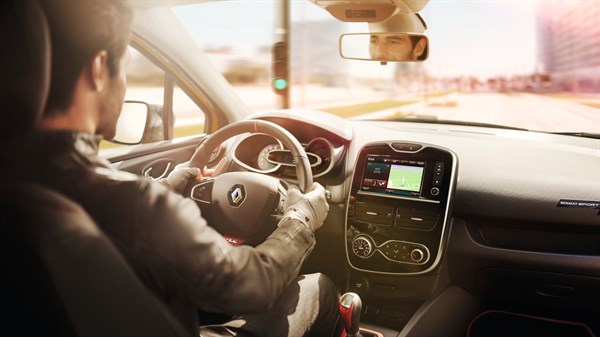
532,65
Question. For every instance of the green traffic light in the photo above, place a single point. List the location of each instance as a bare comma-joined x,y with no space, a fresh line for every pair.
280,83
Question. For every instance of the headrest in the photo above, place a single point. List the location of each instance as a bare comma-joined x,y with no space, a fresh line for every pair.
24,64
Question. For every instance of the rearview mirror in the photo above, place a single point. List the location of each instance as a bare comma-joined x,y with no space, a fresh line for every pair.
384,47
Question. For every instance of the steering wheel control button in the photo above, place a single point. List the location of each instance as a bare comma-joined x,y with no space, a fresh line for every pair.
202,192
406,147
236,195
362,246
435,191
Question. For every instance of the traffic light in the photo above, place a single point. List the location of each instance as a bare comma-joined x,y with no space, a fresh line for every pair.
280,69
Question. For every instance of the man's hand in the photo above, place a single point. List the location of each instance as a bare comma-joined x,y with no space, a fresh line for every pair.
179,178
310,208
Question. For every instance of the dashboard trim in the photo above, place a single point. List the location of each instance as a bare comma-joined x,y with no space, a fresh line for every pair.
397,197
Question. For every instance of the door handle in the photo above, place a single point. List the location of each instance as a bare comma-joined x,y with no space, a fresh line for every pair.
164,174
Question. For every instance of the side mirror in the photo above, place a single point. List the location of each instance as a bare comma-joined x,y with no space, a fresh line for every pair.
384,47
139,122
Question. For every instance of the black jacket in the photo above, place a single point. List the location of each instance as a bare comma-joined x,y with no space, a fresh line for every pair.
162,234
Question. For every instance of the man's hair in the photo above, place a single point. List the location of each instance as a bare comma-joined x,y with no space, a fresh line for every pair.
414,40
79,29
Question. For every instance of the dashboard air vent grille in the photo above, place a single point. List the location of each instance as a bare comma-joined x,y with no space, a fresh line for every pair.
373,214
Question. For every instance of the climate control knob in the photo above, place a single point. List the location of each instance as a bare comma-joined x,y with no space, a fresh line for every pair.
417,255
362,246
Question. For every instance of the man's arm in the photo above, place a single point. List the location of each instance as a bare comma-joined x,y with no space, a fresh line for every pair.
192,259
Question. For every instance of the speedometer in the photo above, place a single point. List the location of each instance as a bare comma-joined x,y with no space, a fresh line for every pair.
262,161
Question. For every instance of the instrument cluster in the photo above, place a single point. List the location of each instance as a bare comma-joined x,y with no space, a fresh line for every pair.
263,153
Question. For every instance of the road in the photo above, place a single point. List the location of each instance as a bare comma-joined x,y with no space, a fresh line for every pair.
529,111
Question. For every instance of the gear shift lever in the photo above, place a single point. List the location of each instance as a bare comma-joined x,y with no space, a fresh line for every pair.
350,307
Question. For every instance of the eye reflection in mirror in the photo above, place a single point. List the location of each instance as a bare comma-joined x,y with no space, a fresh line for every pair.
384,47
397,47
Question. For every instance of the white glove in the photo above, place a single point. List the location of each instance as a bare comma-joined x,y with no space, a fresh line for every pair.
178,179
310,208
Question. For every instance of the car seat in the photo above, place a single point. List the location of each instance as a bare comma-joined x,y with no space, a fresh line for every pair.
60,274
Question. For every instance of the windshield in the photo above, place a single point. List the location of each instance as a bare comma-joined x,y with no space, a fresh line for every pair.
525,64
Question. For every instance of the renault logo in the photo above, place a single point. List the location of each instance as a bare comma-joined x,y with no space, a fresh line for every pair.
236,195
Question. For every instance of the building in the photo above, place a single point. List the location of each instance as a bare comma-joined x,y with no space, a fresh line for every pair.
569,44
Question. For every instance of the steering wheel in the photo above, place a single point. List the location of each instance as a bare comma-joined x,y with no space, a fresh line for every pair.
239,204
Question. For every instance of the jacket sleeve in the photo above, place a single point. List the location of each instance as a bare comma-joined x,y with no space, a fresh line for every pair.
191,260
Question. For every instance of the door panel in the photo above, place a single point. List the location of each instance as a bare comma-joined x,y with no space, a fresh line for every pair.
156,155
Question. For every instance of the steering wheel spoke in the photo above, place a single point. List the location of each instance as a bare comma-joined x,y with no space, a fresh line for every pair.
202,192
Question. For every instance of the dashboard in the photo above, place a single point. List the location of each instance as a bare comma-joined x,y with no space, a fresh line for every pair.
417,207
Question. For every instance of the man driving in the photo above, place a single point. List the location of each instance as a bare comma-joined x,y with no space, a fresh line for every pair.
186,263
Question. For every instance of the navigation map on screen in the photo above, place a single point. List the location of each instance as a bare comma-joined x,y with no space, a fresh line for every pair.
406,178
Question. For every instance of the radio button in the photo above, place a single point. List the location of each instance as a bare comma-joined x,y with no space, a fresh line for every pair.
404,252
417,255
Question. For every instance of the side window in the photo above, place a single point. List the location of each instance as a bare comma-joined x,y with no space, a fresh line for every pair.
146,83
145,80
188,117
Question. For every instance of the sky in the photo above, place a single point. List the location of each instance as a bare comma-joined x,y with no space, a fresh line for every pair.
480,38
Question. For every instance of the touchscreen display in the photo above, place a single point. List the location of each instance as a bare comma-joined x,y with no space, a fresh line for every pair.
393,176
404,177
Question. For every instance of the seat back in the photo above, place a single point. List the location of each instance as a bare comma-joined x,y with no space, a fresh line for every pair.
61,276
24,64
64,277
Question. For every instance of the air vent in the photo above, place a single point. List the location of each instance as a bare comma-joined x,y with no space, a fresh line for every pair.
415,219
373,213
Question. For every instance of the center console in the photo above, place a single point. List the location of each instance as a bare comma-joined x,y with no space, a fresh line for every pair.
398,207
396,227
